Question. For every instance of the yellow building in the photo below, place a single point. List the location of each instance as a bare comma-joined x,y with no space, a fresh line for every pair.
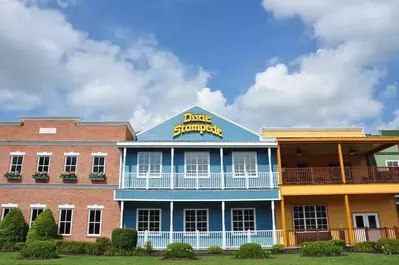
329,187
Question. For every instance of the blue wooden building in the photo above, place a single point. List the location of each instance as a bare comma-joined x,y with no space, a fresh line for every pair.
202,179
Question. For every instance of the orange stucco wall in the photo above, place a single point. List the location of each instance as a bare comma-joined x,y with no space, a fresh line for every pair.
312,133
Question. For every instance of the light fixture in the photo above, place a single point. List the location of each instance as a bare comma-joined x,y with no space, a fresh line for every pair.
299,151
352,151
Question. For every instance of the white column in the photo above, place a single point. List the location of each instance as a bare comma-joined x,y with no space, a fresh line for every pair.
223,226
172,158
269,152
122,210
120,169
221,169
274,223
171,223
124,168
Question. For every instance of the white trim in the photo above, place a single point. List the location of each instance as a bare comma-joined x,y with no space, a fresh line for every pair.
196,219
304,129
38,205
88,220
365,219
35,207
47,130
244,208
239,175
386,162
49,161
171,223
138,144
149,209
148,174
122,213
71,154
17,153
44,153
76,165
92,162
95,207
223,225
99,154
194,200
9,205
123,168
304,217
66,206
206,175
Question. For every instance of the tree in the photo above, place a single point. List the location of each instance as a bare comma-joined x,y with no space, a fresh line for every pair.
43,228
13,227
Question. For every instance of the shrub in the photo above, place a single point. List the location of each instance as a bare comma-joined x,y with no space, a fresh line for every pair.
8,247
71,247
19,246
367,246
124,238
94,248
13,228
43,228
278,248
112,251
179,250
388,246
148,246
339,243
320,248
251,251
140,251
104,243
214,250
40,250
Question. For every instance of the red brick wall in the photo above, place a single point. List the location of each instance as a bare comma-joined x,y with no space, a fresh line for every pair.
78,197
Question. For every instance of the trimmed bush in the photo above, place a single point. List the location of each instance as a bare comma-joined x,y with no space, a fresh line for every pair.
388,246
71,247
367,246
104,243
112,251
140,251
179,250
148,246
13,228
40,250
251,251
214,250
278,248
19,246
94,248
320,248
339,243
124,238
43,228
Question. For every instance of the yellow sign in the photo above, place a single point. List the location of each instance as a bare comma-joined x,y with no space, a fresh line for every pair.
197,123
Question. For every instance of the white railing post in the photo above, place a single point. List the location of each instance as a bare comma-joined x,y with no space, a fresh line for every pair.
145,236
274,224
172,158
171,223
221,169
197,182
249,236
269,153
124,168
246,181
198,239
121,217
147,181
223,226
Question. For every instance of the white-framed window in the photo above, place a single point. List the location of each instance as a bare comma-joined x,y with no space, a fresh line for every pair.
310,217
65,220
196,164
149,164
16,163
95,216
392,163
243,219
98,165
149,219
35,211
245,164
196,220
6,208
43,163
71,163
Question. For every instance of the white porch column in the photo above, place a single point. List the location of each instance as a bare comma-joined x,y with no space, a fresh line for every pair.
120,169
269,153
223,226
124,168
274,223
172,158
221,169
121,217
171,223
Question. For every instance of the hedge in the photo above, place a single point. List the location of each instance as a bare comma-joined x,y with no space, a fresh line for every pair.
278,248
214,250
251,251
179,250
13,228
40,250
43,228
321,248
124,238
367,246
388,246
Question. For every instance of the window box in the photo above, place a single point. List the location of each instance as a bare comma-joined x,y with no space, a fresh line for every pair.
68,176
12,175
40,175
97,176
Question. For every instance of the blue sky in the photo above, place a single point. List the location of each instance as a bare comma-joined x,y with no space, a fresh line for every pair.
261,63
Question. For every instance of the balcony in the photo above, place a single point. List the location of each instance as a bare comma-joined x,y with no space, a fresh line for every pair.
212,181
332,175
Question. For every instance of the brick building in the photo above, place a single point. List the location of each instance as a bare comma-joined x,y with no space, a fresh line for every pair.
83,206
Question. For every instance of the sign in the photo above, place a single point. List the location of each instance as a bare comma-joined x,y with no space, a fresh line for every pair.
197,123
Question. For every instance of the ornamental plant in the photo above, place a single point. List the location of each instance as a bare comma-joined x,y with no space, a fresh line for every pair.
69,175
13,228
12,175
43,228
42,175
97,176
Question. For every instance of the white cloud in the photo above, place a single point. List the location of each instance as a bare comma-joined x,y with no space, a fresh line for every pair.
390,91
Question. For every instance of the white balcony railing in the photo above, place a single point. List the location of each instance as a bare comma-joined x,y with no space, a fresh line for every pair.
260,180
203,240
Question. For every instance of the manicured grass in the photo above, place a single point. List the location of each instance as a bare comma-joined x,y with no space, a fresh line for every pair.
286,259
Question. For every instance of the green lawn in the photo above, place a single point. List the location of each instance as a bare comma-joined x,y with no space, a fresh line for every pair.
287,259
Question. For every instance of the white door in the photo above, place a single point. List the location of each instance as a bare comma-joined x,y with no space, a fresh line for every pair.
366,223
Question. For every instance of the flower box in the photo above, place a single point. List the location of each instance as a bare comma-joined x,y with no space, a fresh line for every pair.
12,175
68,176
97,176
40,175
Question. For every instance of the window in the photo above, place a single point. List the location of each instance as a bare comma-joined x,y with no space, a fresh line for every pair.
70,163
98,164
43,163
243,219
196,164
94,222
310,217
392,163
196,219
6,209
149,163
16,163
149,219
35,211
65,225
244,163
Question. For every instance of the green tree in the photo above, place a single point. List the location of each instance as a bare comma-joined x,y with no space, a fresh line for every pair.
13,227
43,228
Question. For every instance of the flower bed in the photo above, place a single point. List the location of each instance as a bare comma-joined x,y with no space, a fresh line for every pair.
40,175
97,176
68,175
12,175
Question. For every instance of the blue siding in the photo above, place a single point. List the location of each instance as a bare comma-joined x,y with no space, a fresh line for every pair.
262,159
214,210
131,159
263,213
130,213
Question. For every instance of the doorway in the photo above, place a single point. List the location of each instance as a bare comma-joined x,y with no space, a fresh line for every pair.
366,227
